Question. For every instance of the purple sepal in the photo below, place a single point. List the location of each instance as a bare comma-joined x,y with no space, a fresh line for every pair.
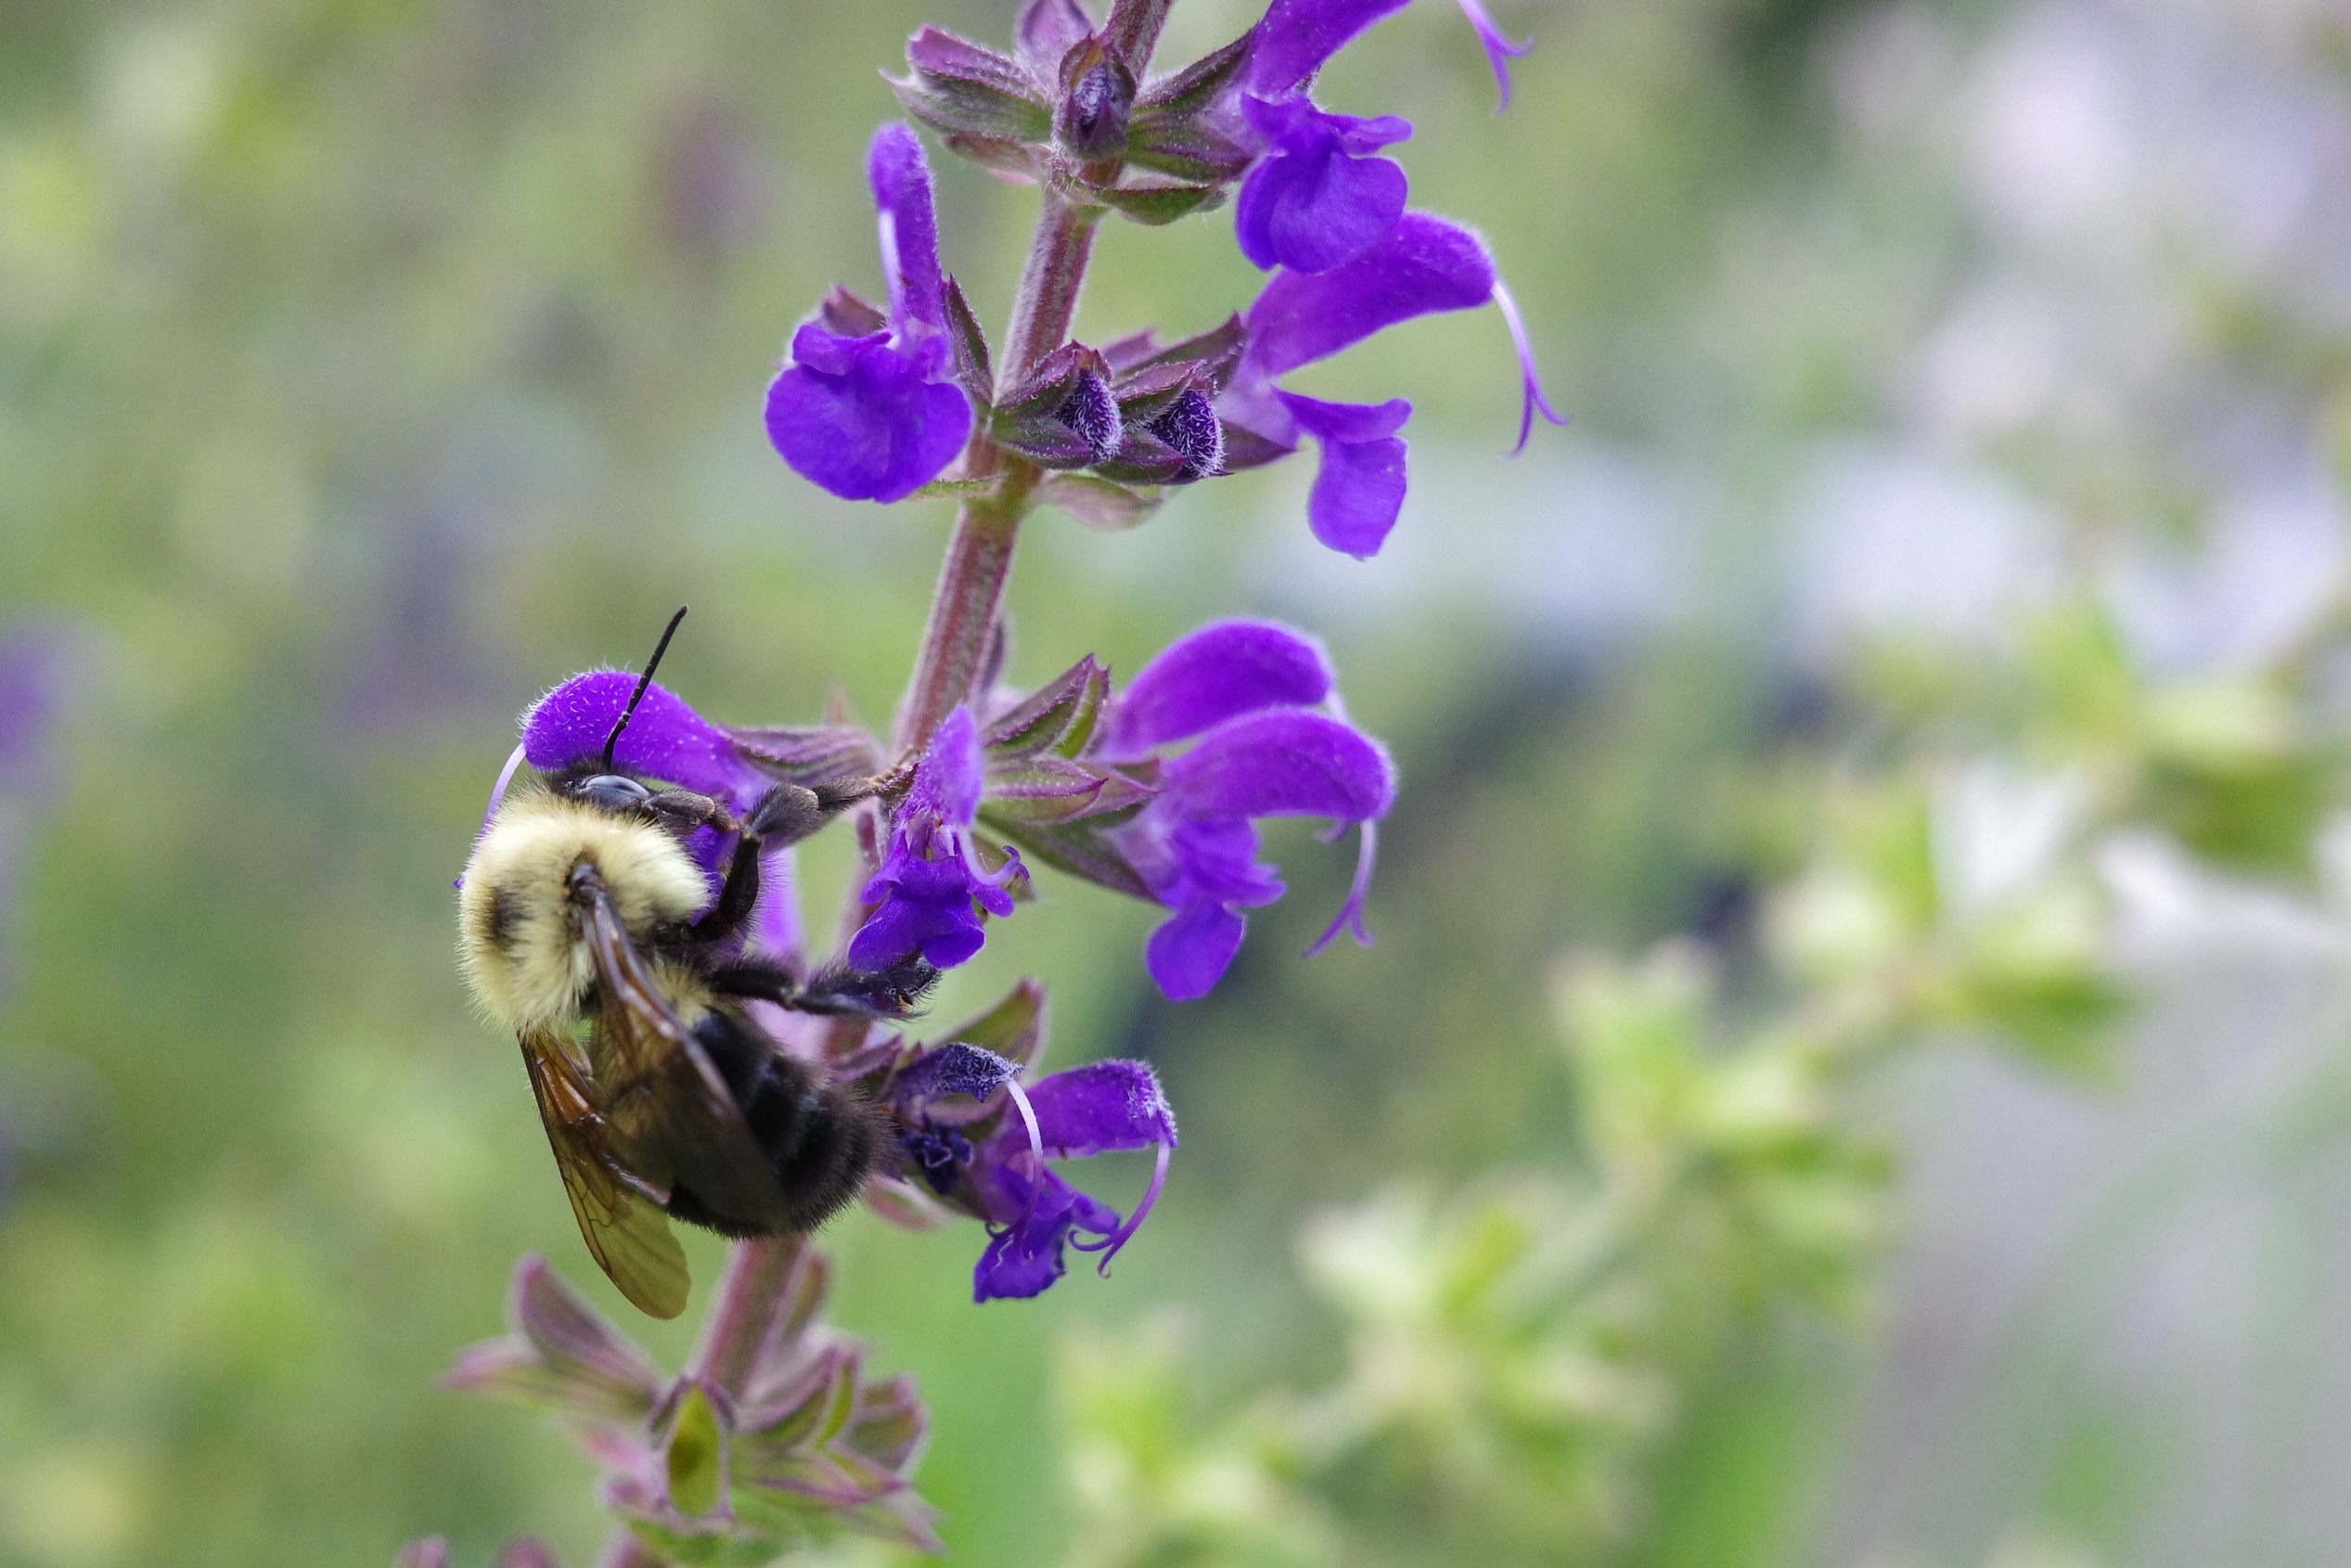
1424,265
1298,35
1026,1256
665,740
1216,673
1359,488
1101,1108
1318,202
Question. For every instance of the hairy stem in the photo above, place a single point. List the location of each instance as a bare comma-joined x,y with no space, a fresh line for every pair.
1133,29
744,1308
978,561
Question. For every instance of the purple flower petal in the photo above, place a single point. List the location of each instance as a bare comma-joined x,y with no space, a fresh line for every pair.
1188,955
1499,49
1359,488
1219,672
931,873
1025,1257
922,904
1296,36
1347,422
947,783
1282,763
900,176
1423,265
665,740
1100,1108
1317,209
879,430
954,1068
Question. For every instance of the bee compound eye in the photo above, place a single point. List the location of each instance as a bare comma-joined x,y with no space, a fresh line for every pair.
611,791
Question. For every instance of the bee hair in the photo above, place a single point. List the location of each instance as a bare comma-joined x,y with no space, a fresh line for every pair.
820,1140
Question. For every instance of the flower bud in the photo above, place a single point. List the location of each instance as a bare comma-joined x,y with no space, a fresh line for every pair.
1097,96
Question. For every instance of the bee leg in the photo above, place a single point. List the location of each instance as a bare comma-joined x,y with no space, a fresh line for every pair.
756,979
784,815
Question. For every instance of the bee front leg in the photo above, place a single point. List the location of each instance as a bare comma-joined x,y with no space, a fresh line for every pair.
784,815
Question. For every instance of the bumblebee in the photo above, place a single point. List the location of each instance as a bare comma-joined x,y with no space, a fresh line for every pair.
583,928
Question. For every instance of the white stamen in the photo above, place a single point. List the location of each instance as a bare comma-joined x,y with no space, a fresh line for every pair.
1351,913
1534,397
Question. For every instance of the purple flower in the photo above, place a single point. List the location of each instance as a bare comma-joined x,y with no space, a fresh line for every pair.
1296,36
1097,1108
1318,200
665,740
930,877
1422,265
867,407
1000,1177
1254,694
30,668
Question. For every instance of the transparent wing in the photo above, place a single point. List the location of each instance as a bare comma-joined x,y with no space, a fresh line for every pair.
673,1120
625,1231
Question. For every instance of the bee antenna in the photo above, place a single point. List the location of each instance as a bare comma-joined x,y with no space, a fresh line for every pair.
643,681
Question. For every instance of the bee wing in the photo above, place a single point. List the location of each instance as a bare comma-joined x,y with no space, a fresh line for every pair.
674,1121
627,1233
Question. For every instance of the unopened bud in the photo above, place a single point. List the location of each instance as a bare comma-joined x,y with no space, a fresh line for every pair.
1098,94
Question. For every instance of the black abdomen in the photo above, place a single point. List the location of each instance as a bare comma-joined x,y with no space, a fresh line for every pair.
818,1141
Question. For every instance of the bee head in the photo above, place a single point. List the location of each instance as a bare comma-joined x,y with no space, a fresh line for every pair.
615,793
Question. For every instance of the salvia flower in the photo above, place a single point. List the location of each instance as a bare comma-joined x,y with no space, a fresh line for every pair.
867,407
1297,36
998,1172
931,887
1251,697
1423,265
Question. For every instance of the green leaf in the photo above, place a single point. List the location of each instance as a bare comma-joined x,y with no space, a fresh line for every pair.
1157,205
1014,1028
972,368
1081,849
1058,716
1098,504
693,1458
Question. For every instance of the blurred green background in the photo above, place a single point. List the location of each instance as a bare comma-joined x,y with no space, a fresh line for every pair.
368,365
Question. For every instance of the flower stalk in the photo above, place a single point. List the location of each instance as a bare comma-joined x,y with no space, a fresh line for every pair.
970,595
